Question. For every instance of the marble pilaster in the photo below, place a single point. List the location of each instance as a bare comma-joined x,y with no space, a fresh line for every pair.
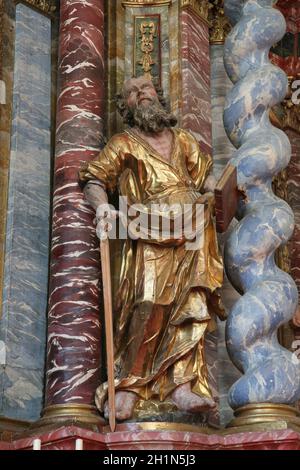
23,323
195,112
7,37
191,102
220,86
174,65
115,63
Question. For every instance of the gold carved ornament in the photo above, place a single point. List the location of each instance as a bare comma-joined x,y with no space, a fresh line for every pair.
147,34
220,25
46,6
145,3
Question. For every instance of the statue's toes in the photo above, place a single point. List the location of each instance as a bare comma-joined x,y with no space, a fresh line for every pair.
122,415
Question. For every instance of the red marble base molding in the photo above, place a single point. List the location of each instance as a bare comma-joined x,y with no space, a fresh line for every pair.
64,438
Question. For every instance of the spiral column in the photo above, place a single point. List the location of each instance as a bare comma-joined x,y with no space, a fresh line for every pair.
271,373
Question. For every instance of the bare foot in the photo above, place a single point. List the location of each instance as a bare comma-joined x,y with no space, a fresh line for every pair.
125,402
186,400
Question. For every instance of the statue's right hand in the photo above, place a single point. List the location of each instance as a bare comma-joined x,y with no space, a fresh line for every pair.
105,214
106,211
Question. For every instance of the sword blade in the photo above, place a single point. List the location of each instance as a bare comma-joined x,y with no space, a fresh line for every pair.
108,315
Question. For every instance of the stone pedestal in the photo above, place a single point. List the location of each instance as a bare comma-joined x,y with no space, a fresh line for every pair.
25,181
65,439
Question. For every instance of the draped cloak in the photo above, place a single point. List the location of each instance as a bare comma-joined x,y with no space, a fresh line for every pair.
166,292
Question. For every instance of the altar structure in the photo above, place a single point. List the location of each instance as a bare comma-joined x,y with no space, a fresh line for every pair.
225,66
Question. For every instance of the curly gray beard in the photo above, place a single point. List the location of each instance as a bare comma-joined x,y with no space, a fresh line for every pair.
153,118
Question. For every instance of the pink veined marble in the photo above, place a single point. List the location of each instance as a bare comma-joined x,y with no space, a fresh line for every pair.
291,10
65,438
196,117
290,64
74,329
196,100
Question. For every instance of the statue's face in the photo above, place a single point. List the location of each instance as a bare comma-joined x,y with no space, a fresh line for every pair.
139,92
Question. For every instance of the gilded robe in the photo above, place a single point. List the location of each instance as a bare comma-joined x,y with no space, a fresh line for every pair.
165,292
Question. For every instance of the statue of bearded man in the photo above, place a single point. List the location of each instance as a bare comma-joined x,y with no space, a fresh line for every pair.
166,292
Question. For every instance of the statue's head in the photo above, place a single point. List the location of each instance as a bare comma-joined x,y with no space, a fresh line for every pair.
143,105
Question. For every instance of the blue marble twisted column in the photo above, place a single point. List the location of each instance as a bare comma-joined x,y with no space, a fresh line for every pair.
271,373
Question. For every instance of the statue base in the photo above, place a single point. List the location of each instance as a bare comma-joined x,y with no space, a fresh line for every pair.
166,412
160,427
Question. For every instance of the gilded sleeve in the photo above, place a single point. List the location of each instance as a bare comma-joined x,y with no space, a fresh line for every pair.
106,167
199,164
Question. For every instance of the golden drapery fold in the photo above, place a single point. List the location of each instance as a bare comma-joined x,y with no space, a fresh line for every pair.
166,292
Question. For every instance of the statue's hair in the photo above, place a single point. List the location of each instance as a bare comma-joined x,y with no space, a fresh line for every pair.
127,114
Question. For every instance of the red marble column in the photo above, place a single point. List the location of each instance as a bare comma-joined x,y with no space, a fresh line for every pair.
74,330
195,69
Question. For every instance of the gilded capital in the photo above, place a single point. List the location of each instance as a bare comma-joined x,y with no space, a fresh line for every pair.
220,25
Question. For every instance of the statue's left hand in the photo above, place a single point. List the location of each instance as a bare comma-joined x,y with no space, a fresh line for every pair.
210,184
242,193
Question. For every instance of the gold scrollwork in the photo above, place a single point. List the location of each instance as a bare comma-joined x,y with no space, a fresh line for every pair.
147,34
46,6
